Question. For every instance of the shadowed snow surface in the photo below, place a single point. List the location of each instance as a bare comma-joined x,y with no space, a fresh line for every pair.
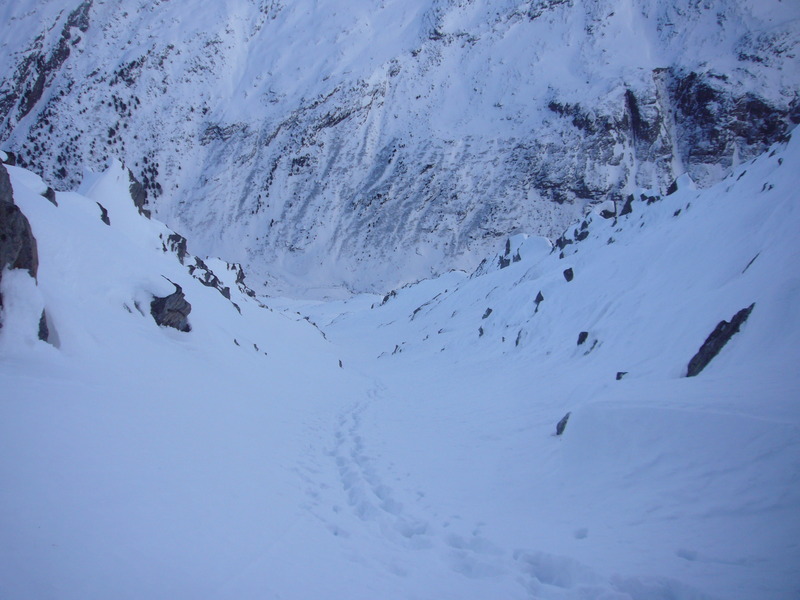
239,460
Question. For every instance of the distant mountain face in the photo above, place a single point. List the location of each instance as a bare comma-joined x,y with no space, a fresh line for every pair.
368,144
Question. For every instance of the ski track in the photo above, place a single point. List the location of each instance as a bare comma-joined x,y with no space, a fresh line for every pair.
348,493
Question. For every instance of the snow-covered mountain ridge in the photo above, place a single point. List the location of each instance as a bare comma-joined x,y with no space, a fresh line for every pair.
376,143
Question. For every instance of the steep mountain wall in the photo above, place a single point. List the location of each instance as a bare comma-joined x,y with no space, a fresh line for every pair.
367,145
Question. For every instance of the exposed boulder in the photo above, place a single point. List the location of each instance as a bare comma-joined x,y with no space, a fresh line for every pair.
722,333
172,311
104,214
627,208
50,194
582,337
44,331
539,299
561,243
569,274
562,424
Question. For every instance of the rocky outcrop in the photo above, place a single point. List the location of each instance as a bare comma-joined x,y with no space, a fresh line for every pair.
172,311
138,194
240,277
200,271
177,244
713,122
50,194
716,341
17,244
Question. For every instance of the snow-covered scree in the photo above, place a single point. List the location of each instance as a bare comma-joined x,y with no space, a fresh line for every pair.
410,452
365,145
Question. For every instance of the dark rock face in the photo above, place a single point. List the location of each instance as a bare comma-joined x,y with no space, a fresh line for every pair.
240,277
44,332
562,424
628,207
50,194
17,244
582,337
208,278
104,214
569,274
177,244
172,311
562,242
138,194
713,120
487,313
539,299
722,333
673,187
642,131
11,159
621,374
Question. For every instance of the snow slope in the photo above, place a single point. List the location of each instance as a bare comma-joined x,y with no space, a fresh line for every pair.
363,145
139,461
658,478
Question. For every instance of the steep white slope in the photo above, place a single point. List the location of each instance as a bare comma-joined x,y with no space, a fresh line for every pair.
139,461
365,145
658,478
